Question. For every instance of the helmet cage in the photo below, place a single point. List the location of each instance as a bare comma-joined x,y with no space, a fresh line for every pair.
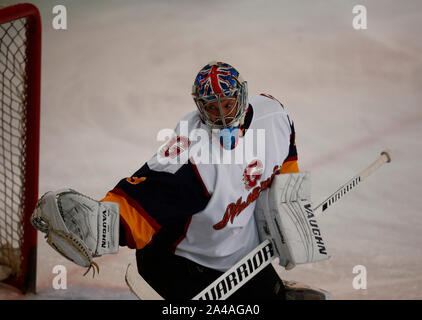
221,121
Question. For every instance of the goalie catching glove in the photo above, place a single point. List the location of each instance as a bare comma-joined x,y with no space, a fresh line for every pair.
78,227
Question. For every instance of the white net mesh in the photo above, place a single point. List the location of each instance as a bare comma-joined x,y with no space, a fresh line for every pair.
12,141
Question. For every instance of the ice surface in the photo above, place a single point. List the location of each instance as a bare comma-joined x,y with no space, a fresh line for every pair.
123,70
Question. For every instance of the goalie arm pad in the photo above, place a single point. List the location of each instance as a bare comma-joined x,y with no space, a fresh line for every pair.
284,215
76,226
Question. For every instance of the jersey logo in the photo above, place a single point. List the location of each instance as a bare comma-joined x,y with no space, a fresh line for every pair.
252,174
235,208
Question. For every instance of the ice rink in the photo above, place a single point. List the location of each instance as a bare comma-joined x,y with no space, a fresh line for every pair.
123,70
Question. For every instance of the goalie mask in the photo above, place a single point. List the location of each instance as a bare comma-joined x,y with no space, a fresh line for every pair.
221,95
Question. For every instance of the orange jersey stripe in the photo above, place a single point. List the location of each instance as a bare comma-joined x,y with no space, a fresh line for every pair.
140,227
289,167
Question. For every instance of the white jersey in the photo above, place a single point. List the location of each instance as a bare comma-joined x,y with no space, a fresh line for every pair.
209,218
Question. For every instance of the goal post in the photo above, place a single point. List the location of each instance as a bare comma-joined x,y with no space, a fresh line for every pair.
20,82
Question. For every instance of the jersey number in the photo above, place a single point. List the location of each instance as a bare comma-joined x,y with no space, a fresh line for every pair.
175,146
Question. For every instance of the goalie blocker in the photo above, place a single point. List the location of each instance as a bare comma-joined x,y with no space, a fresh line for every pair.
284,216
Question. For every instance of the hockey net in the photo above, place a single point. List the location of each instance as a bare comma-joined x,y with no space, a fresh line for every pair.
20,59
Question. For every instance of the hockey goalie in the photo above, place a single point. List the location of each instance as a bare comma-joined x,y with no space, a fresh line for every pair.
190,214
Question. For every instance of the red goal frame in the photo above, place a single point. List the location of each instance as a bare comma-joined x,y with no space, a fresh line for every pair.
26,281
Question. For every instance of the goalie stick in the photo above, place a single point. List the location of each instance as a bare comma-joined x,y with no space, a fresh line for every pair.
138,285
385,157
256,260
